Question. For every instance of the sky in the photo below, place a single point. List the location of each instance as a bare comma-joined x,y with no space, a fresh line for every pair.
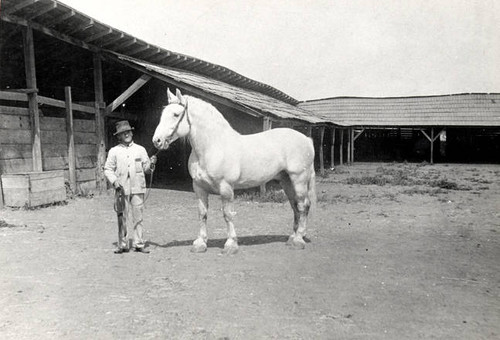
313,49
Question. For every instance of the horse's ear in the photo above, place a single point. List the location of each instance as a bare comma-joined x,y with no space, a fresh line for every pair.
180,97
171,98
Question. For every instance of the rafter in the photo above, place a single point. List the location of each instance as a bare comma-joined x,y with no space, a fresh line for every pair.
62,18
98,35
40,11
18,7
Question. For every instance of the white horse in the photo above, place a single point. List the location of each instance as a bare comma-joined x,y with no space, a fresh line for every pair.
222,160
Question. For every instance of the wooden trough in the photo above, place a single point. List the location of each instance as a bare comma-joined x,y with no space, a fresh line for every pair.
31,189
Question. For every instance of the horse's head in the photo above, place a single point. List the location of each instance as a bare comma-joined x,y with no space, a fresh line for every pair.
174,121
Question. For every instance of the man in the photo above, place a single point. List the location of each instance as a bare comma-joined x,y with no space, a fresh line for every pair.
125,169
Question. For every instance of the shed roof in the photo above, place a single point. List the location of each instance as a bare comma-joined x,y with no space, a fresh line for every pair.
466,110
59,20
259,103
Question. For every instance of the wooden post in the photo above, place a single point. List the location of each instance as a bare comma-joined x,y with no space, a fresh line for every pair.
341,146
431,139
332,150
432,145
30,69
321,160
100,123
349,146
352,145
71,139
266,125
354,137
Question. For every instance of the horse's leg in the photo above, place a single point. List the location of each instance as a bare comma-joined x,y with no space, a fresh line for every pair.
200,244
227,197
287,186
300,186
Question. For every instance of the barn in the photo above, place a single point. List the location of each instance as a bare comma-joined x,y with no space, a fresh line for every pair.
447,128
65,80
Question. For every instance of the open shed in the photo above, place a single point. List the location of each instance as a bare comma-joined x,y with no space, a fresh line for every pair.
66,79
448,128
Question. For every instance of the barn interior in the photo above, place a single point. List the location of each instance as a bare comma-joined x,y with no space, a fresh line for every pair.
60,64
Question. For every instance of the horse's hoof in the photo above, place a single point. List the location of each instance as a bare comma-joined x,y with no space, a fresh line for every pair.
296,242
199,247
230,250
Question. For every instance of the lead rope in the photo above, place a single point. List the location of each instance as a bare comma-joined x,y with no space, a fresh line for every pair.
150,179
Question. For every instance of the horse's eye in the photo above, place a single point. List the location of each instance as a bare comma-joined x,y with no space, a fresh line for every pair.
177,114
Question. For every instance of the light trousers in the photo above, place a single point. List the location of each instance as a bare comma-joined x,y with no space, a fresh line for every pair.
130,220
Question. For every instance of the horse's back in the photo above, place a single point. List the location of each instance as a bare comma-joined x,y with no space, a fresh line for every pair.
282,147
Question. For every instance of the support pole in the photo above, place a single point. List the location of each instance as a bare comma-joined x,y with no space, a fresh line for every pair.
431,139
321,159
266,125
71,139
29,64
354,137
341,147
349,146
352,145
332,150
100,123
432,145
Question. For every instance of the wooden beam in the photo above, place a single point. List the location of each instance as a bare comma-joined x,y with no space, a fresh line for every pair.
341,147
112,41
30,69
40,11
82,27
49,31
18,7
358,134
321,156
128,92
60,19
266,125
17,95
151,53
431,139
432,145
349,146
100,123
98,35
161,57
126,44
187,87
70,139
332,150
137,50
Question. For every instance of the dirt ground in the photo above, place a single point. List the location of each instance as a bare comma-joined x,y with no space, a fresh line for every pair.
396,251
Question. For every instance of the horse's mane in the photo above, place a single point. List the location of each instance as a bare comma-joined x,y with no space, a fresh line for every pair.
207,113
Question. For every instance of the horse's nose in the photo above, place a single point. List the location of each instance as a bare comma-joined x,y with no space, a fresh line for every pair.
157,142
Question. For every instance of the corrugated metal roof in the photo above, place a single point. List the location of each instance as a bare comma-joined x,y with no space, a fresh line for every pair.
260,103
57,19
474,109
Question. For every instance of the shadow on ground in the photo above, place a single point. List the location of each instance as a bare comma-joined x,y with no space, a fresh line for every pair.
219,243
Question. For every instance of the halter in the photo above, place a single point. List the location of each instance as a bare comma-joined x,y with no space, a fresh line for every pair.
184,113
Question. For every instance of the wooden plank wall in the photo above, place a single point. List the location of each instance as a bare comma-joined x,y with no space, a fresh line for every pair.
15,145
